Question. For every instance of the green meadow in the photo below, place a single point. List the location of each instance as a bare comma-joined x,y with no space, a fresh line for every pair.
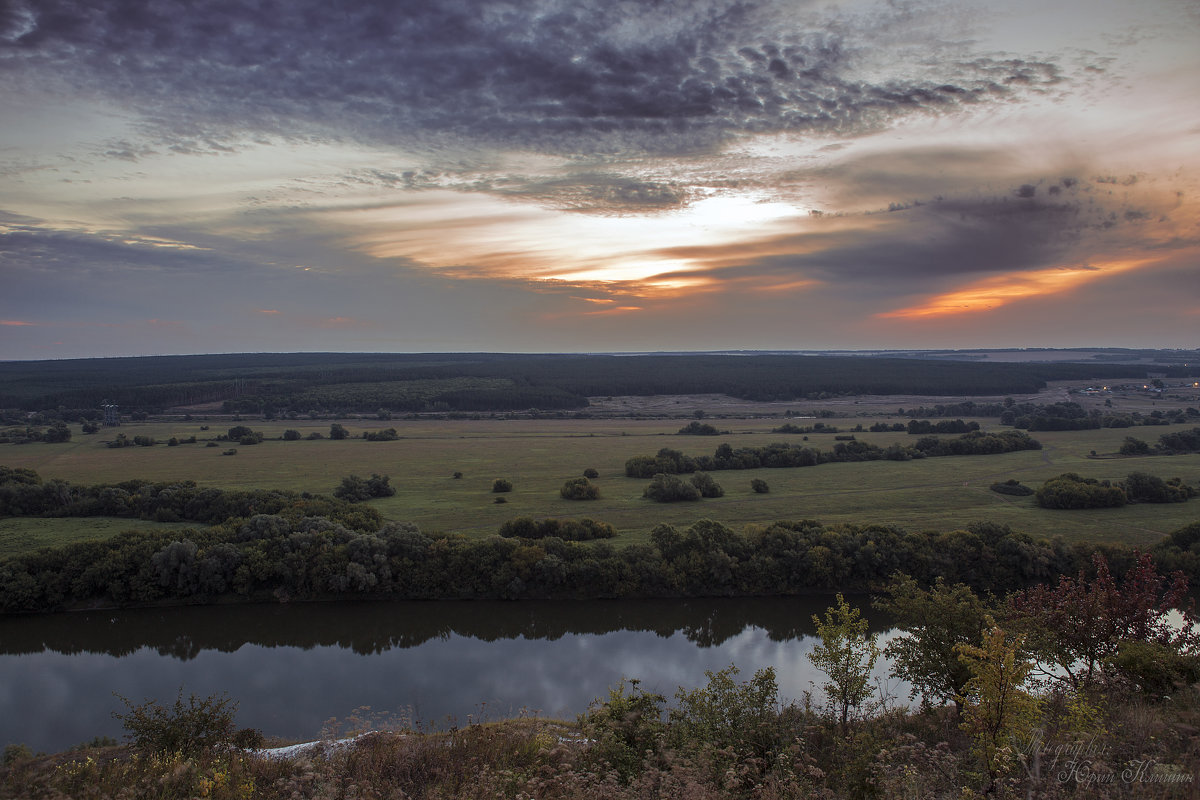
539,455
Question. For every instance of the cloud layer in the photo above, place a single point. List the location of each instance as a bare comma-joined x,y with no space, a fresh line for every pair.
593,174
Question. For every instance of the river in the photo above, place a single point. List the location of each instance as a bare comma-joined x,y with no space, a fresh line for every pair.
291,668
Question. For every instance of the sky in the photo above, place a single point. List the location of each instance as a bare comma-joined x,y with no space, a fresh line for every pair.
599,175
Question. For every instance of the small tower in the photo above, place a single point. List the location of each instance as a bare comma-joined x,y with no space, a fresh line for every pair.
112,414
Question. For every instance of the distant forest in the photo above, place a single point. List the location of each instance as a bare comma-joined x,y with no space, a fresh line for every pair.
472,382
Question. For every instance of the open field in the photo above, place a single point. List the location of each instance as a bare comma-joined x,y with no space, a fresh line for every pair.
538,455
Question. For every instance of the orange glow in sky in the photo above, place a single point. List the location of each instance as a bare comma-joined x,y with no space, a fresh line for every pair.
1000,290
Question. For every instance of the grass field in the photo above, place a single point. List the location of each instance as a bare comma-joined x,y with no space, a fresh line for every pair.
538,455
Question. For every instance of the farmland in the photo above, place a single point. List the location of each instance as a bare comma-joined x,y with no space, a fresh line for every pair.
538,455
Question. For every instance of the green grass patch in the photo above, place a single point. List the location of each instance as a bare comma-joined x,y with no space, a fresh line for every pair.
538,455
25,534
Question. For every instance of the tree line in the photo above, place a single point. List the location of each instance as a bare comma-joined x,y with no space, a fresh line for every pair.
488,381
784,455
282,557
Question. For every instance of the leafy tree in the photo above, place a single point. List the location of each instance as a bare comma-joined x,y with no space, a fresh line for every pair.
1134,447
698,429
337,431
759,486
591,473
1143,488
501,485
934,622
846,654
665,488
355,489
707,486
56,433
1071,491
579,489
1079,624
998,714
237,432
385,435
291,435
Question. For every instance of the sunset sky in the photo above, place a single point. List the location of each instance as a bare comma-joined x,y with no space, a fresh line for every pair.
546,175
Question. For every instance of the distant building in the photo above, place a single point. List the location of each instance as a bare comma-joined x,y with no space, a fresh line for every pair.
112,413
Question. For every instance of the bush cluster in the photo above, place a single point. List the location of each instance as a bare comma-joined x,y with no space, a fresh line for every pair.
1013,487
782,455
579,489
354,489
569,530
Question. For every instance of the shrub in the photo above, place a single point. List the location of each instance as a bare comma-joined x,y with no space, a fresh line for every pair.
759,486
1134,447
457,475
336,431
354,489
666,488
230,452
291,435
591,473
239,432
144,441
1143,488
707,486
14,753
1155,669
1013,487
211,444
315,435
579,489
501,485
624,728
385,435
187,729
569,530
698,429
1071,490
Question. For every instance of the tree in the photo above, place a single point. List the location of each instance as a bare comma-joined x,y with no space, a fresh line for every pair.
501,485
579,489
665,488
759,486
1078,625
1134,447
707,486
355,489
998,714
934,622
291,435
56,433
336,431
846,654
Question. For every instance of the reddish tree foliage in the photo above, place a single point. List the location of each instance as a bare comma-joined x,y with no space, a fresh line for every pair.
1079,624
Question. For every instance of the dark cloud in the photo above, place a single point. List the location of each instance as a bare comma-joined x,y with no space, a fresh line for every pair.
641,75
921,245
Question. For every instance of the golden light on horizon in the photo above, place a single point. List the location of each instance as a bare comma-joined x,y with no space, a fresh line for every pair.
1000,290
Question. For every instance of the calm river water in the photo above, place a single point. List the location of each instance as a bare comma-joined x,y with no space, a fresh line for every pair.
293,667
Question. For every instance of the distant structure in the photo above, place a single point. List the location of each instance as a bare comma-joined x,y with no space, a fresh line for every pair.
112,414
